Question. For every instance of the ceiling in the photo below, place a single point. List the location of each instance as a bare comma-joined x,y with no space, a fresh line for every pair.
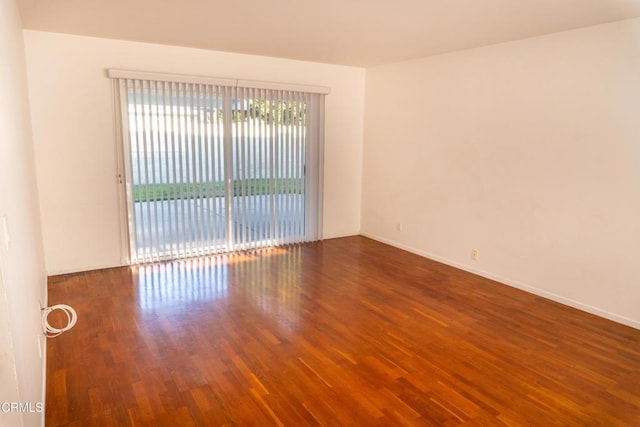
350,32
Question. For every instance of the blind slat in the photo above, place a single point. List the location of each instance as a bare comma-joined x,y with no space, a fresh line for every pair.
212,169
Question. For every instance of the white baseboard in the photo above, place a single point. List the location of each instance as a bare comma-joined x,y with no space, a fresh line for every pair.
44,303
59,272
522,286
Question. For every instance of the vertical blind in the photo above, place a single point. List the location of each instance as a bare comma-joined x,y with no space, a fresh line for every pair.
213,166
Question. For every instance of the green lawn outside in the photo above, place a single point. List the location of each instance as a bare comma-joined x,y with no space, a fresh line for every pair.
253,187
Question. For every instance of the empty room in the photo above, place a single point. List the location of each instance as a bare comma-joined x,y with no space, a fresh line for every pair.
319,213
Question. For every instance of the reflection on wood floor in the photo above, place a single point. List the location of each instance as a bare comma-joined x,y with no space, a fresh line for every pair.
344,332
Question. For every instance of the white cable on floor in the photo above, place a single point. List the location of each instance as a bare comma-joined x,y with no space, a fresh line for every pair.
49,330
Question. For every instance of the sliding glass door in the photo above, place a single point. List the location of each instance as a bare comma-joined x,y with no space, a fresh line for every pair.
215,168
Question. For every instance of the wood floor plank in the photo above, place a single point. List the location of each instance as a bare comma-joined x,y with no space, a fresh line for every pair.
347,331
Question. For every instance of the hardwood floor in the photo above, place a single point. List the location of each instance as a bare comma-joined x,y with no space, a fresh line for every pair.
344,332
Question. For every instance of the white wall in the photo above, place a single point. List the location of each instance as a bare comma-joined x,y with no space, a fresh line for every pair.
22,274
527,151
75,144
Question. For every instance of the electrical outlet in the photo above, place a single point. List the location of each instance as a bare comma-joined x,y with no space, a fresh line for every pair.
474,254
399,226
